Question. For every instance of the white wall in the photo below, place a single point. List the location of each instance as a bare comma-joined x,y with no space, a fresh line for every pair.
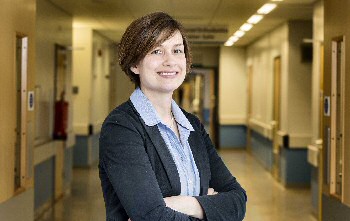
232,86
82,77
121,86
101,59
295,101
53,26
260,57
91,71
298,123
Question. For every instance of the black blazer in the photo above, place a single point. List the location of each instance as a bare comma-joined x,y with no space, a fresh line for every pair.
137,171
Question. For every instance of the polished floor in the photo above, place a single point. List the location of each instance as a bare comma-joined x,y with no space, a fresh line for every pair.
268,200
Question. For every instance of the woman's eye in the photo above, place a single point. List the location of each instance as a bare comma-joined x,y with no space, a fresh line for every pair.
178,51
157,51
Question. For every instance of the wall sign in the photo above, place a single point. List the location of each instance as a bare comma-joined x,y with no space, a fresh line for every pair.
327,106
30,100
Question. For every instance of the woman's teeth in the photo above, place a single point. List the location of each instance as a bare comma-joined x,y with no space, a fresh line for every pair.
166,73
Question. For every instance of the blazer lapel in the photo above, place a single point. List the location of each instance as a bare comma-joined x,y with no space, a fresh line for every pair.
165,156
200,157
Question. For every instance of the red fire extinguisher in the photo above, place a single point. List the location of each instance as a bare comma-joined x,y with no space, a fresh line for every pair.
61,119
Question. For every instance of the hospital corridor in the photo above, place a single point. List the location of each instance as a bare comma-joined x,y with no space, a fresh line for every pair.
269,81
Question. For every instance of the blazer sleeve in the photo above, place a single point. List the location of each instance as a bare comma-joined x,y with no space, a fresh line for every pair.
230,202
126,163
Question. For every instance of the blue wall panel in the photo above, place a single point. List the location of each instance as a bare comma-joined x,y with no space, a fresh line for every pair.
81,151
295,170
233,136
68,168
86,150
262,149
44,179
334,210
314,189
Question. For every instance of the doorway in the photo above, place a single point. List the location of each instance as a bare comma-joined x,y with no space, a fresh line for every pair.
21,111
198,95
276,117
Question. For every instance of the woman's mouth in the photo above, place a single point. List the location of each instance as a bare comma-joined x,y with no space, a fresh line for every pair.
172,73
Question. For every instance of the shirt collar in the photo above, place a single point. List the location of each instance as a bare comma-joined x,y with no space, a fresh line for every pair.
150,116
180,117
144,107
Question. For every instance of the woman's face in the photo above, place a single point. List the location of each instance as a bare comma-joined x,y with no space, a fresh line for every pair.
163,69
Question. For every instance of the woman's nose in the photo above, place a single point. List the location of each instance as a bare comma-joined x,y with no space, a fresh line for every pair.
169,59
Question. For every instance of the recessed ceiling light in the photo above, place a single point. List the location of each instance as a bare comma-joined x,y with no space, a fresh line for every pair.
246,27
239,33
267,8
254,19
229,43
233,38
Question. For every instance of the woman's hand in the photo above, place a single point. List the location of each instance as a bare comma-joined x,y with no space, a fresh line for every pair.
211,191
185,204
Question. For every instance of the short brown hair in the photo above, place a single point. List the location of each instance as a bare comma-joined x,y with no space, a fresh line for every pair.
143,35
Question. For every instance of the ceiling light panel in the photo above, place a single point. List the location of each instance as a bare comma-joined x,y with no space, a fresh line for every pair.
254,19
246,27
229,43
233,38
239,33
267,8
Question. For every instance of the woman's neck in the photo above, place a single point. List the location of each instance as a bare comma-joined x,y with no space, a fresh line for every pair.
162,103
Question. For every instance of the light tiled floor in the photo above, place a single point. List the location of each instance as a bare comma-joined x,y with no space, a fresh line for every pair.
268,200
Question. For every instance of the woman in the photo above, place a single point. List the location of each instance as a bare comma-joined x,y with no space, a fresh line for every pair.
156,160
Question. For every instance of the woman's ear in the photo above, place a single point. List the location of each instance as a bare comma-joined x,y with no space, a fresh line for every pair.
135,70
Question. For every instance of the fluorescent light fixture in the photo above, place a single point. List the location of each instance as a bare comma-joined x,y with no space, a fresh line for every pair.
239,33
228,43
254,19
267,8
246,27
233,38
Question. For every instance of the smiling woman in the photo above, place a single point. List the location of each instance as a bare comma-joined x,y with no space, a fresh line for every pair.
156,160
163,69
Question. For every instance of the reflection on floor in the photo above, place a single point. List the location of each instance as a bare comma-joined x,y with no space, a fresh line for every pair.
267,199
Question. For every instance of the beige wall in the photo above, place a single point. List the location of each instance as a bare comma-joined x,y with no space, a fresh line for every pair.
17,18
298,124
91,70
121,86
82,77
318,38
54,26
232,86
295,102
260,56
101,59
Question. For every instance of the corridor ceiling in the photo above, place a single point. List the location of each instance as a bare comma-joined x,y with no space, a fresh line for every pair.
206,21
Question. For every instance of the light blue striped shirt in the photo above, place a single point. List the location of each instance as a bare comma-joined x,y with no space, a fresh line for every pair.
179,148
